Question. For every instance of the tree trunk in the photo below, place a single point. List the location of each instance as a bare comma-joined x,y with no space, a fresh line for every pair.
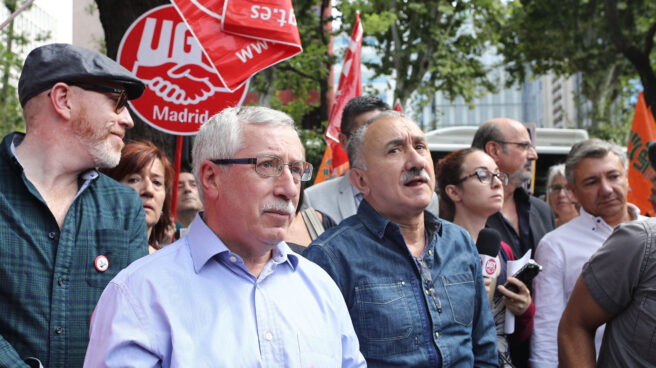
264,97
640,58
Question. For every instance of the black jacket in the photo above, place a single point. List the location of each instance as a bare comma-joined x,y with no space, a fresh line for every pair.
541,221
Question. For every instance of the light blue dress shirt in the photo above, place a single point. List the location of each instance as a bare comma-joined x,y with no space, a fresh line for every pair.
194,304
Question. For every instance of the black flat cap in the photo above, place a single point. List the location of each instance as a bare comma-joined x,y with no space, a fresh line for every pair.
61,62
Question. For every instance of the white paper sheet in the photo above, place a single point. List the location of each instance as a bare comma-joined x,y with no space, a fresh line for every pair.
511,268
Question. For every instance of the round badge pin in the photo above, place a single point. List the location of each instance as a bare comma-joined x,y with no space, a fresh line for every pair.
101,263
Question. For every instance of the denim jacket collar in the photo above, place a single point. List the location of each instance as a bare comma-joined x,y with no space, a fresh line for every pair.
377,224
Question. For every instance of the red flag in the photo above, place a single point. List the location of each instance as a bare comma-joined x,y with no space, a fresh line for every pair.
397,106
242,37
640,171
350,86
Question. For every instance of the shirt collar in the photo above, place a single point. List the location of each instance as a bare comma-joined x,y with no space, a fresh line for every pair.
205,244
14,140
355,190
634,213
521,194
377,223
84,179
590,217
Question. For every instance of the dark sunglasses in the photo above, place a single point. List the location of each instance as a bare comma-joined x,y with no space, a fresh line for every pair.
121,101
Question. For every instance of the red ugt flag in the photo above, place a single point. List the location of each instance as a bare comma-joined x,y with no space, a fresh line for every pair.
242,37
350,85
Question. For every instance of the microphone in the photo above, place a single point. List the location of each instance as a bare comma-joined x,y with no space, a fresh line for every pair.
488,244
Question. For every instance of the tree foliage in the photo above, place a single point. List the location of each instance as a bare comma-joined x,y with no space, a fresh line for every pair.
429,46
591,37
12,43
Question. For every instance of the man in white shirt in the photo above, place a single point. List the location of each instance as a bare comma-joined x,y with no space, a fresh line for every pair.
597,176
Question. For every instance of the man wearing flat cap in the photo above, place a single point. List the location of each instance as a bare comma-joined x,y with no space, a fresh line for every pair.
65,229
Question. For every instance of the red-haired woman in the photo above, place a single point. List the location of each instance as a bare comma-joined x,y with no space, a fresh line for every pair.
145,168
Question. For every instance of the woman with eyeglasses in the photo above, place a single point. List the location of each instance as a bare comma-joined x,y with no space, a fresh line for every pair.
145,168
559,197
471,190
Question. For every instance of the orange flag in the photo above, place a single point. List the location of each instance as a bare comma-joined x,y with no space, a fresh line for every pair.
335,160
324,173
640,171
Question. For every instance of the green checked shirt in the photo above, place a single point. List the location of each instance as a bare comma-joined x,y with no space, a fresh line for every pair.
49,282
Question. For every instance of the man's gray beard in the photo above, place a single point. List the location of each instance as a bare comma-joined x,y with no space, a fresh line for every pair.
520,177
98,146
104,156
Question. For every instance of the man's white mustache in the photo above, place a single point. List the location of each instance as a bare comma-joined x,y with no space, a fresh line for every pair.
413,173
282,206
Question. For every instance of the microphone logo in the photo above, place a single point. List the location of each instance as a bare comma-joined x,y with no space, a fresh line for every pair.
491,267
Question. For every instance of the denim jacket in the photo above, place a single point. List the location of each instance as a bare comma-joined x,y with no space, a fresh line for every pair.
407,312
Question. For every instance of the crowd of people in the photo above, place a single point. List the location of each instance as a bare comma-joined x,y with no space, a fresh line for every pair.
377,267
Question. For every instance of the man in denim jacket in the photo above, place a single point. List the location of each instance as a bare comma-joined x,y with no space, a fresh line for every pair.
412,282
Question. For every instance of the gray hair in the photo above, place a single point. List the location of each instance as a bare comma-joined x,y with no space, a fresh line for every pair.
554,172
356,143
591,148
488,131
222,135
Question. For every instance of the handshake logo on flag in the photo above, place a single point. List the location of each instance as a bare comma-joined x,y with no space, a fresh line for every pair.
174,70
183,87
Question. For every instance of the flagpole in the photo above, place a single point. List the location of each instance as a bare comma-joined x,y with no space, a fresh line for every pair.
176,180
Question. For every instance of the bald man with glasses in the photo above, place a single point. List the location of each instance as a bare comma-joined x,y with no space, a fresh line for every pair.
523,219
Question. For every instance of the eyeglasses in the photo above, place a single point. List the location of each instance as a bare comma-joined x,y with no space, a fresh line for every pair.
486,176
525,146
121,101
267,165
558,188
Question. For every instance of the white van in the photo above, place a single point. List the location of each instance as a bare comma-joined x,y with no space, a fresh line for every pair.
552,146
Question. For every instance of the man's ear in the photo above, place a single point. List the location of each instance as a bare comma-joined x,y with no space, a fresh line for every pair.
493,149
453,193
343,140
209,175
358,178
60,98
